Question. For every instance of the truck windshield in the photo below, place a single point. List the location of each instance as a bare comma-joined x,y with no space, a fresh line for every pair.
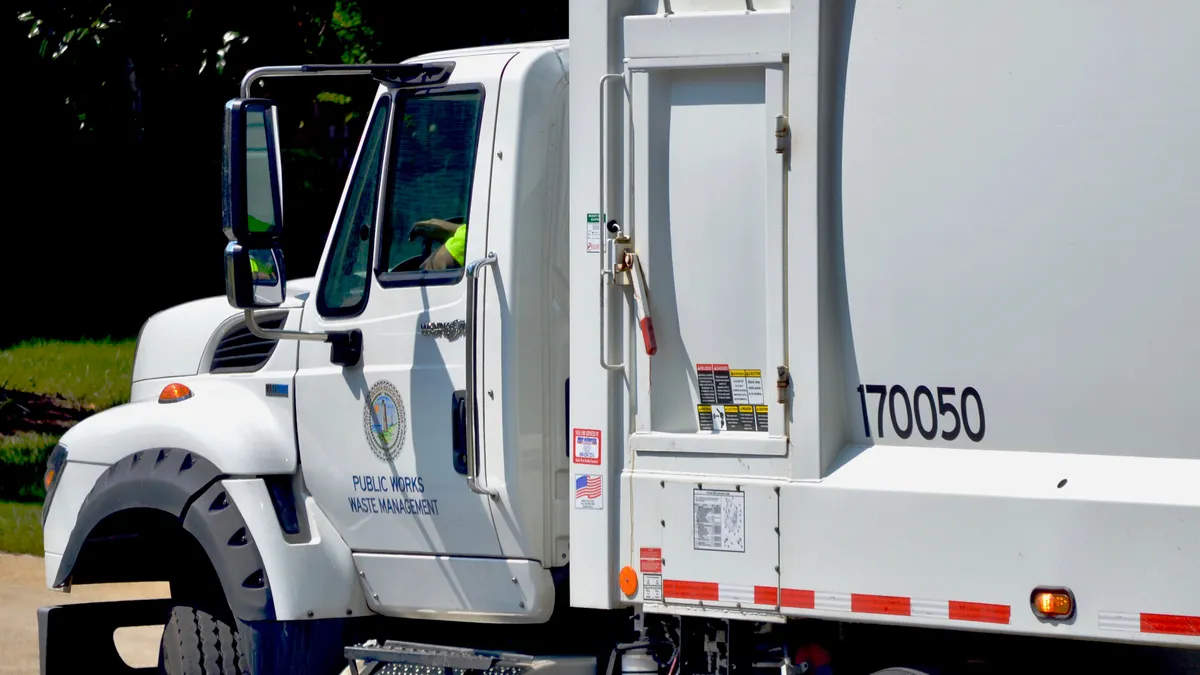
431,169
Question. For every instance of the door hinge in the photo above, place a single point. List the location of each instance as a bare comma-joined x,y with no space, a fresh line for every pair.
782,132
782,382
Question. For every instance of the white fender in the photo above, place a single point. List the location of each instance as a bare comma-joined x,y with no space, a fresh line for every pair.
230,421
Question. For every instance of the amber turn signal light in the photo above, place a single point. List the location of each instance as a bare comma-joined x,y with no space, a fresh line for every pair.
174,393
1053,603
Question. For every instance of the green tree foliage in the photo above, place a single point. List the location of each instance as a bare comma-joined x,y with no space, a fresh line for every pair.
118,146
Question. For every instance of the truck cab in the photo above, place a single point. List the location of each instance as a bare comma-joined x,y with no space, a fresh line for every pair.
396,440
386,444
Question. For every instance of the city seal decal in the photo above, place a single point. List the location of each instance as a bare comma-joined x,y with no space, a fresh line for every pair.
385,421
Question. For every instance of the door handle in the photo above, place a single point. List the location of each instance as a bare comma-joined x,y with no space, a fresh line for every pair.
606,275
458,425
472,274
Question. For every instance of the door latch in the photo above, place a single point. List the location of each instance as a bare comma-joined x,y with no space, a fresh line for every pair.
782,381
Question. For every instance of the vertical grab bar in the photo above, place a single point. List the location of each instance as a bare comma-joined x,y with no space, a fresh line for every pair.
604,273
472,275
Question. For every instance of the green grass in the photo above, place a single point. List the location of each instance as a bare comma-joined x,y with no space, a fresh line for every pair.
23,458
21,528
92,375
80,378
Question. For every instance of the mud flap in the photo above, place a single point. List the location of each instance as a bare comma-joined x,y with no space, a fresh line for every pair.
79,638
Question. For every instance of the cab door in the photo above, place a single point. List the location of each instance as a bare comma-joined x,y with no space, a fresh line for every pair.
382,443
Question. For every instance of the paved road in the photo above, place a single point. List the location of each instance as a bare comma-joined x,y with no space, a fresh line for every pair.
23,590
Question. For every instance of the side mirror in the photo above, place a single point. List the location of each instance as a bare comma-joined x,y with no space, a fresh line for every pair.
252,174
254,277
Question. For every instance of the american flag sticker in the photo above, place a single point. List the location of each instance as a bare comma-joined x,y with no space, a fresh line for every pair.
589,491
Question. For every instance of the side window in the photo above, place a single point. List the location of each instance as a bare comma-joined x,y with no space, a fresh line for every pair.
344,280
435,142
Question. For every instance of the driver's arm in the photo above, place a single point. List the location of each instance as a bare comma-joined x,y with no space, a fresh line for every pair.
451,253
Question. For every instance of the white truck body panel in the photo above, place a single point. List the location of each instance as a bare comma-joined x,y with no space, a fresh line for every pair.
922,290
457,588
983,220
313,575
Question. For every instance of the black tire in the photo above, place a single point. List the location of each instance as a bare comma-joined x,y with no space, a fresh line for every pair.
196,642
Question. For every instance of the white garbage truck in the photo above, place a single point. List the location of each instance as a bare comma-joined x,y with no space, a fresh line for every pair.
728,337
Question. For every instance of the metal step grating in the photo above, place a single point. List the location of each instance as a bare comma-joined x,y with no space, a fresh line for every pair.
409,669
412,658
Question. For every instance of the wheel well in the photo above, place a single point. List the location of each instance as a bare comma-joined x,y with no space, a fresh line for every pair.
164,515
149,545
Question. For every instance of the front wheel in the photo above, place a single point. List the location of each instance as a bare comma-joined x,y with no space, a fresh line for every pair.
195,642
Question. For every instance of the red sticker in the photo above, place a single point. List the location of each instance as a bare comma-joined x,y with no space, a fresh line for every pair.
586,447
651,566
651,553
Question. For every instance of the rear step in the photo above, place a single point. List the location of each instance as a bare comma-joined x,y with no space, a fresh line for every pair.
412,658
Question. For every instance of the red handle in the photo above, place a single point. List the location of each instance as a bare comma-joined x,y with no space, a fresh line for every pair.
647,325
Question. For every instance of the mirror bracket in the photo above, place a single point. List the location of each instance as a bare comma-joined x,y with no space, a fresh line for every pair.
345,347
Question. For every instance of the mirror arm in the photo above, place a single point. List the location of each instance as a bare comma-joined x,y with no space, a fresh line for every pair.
345,345
273,334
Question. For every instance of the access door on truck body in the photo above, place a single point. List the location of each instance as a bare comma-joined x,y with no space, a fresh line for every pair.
708,226
382,443
708,223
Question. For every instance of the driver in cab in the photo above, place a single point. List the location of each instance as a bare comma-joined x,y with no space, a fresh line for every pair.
452,240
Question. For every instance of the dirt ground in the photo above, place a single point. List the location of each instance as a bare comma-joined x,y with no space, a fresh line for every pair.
23,590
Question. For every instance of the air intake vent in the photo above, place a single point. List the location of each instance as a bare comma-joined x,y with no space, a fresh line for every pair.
240,351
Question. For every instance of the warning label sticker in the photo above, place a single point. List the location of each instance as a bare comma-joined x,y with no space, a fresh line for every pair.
651,560
754,387
587,447
652,587
593,232
731,399
719,520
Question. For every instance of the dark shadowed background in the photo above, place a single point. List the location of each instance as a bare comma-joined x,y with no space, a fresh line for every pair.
115,113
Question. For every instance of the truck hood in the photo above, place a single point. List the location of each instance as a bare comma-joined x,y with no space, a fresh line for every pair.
172,342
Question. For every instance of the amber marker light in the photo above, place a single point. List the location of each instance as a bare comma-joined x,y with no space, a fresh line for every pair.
174,393
1057,604
629,581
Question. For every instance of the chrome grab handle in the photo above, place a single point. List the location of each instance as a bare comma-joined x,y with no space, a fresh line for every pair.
605,274
472,275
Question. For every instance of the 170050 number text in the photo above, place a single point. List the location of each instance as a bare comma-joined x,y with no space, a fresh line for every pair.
906,413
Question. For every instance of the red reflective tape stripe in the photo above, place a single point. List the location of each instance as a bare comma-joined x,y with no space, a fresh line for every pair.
798,599
691,590
765,595
979,611
1172,624
880,604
